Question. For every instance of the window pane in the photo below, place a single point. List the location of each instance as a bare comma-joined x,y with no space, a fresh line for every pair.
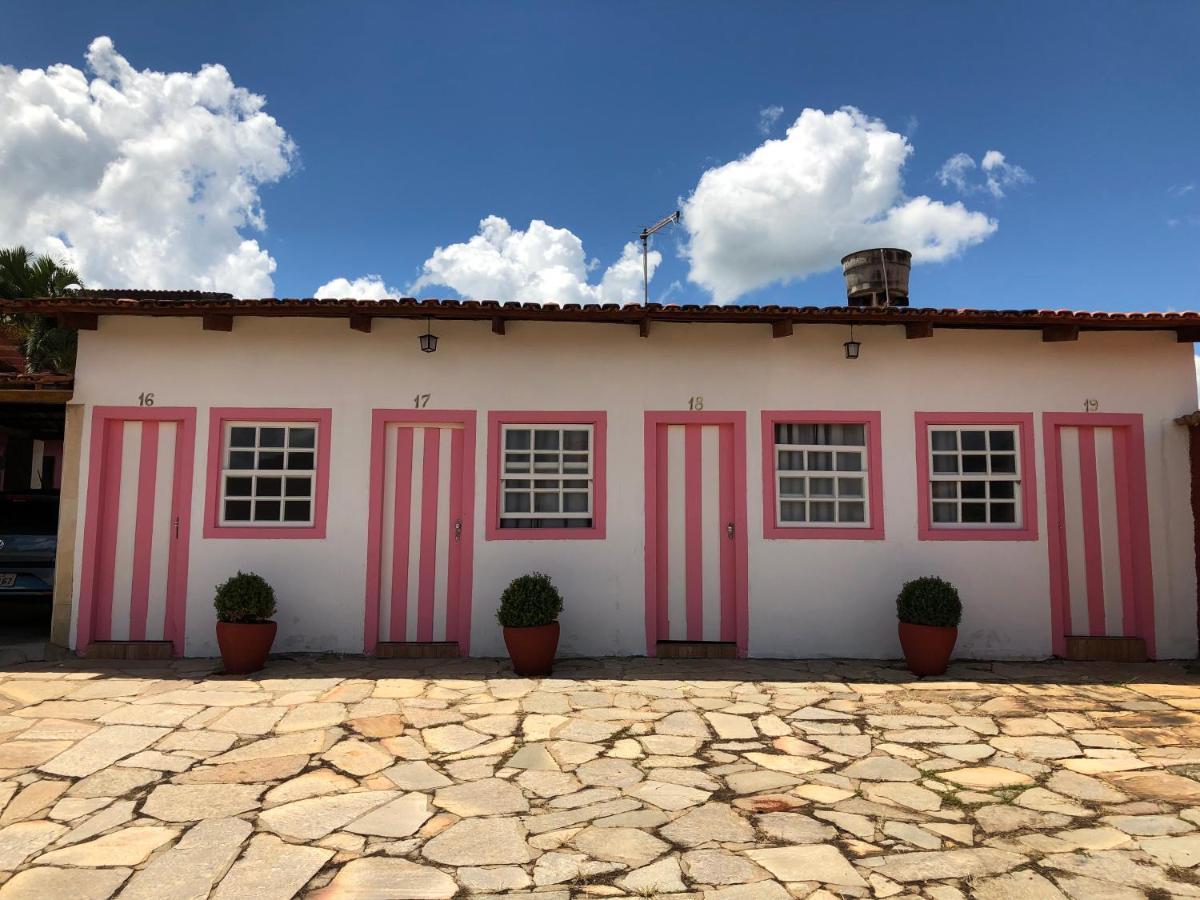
545,440
516,440
545,503
575,440
974,490
945,512
299,487
516,462
575,503
944,490
974,440
791,511
944,440
791,487
296,511
270,459
1001,440
974,512
516,503
271,437
1002,490
575,462
241,459
974,463
791,461
302,460
849,462
237,510
547,484
575,484
545,462
820,487
241,436
238,487
302,437
851,435
821,510
850,487
945,465
855,511
820,461
266,511
1004,464
513,484
270,487
1005,513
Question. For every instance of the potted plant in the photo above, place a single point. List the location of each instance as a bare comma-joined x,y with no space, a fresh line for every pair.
245,604
529,609
929,611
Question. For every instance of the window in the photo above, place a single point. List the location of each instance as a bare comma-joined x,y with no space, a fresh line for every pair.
973,476
546,475
976,476
546,480
821,474
268,473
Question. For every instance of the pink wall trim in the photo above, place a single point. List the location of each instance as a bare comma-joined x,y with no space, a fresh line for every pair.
462,451
874,531
101,507
1028,468
599,422
1133,523
1090,501
217,417
655,562
143,534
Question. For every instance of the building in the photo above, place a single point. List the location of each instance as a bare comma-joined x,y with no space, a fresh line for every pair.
686,474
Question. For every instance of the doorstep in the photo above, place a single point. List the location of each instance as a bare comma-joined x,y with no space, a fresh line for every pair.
135,650
696,650
1086,648
415,650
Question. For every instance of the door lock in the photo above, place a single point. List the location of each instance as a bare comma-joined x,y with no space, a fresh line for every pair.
729,530
458,530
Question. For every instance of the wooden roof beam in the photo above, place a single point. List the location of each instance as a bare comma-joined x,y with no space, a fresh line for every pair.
644,327
360,322
1054,334
498,325
217,322
781,328
1187,335
80,321
915,330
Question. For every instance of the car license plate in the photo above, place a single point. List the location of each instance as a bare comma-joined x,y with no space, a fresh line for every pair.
7,579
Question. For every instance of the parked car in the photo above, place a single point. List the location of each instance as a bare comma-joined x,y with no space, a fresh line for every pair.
28,542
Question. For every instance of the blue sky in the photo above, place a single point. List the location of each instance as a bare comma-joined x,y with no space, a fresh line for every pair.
411,123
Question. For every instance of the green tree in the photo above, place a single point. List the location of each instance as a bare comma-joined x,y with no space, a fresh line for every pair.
47,347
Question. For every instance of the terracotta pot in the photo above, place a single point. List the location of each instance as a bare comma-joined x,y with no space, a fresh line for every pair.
532,649
927,648
244,645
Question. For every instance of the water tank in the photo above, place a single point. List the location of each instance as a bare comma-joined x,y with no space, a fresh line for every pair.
877,277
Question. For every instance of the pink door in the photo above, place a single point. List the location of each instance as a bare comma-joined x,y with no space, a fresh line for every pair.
695,528
133,581
1100,576
419,542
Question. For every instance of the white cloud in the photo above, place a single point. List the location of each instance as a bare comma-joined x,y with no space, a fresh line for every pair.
139,178
796,205
767,117
1181,190
367,287
998,174
538,265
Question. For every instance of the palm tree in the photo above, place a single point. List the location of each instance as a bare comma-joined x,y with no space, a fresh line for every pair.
47,348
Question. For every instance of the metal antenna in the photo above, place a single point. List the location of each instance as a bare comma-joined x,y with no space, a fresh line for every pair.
645,236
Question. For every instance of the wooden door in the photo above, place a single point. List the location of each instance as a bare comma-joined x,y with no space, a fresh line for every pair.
133,581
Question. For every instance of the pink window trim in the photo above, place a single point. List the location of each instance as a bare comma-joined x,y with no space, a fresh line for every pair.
458,624
652,464
1028,468
871,419
217,417
1129,448
599,422
100,517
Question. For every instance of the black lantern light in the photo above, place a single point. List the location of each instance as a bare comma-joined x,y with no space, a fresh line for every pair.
852,346
428,340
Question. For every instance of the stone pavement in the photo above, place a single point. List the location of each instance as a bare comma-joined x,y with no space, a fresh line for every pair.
335,777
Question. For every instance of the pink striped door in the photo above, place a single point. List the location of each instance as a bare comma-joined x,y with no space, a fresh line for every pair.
133,584
418,567
1100,576
696,529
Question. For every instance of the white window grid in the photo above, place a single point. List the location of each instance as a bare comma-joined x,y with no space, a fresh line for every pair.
985,496
829,479
297,481
547,472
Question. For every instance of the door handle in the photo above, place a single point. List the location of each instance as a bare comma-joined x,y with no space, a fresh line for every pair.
458,530
176,523
729,530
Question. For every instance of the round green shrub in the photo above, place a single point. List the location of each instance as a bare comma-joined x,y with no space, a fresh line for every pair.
245,597
530,600
929,601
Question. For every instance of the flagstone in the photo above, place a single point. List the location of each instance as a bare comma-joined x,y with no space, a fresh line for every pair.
540,824
481,842
823,863
881,768
908,795
71,808
683,724
793,828
1025,884
609,773
533,756
477,879
451,739
46,882
271,869
790,765
1118,868
127,847
385,726
417,776
1157,786
731,727
256,720
1180,852
32,800
50,729
1084,787
113,816
986,777
1150,825
657,879
1038,747
359,758
87,710
943,864
315,817
398,818
822,793
486,797
152,714
631,847
156,759
379,878
295,744
668,796
189,870
271,768
21,840
309,716
1046,801
23,754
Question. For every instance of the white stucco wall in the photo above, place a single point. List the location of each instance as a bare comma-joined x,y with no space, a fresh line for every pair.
807,598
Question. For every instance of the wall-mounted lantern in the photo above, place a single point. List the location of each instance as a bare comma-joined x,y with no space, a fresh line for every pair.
852,346
428,340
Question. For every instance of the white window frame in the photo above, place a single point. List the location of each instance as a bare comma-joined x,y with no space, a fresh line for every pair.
560,475
959,477
863,474
283,474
